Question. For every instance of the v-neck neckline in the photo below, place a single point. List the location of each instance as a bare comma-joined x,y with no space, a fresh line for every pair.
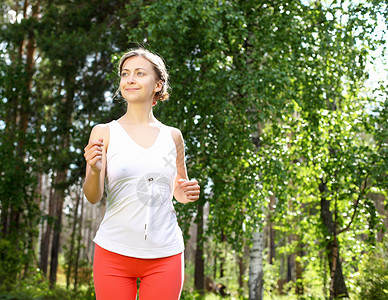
134,142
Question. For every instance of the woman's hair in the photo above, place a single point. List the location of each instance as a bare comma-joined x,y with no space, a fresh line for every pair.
159,68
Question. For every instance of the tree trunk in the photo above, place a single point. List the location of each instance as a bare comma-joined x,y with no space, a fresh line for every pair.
199,260
215,266
324,273
290,266
242,266
79,238
64,125
46,237
223,257
4,211
256,273
70,260
271,232
299,269
241,271
59,199
32,224
337,284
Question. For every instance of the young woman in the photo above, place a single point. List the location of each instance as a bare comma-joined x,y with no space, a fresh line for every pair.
143,163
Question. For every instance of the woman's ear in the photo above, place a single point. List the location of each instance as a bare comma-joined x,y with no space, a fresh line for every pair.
159,86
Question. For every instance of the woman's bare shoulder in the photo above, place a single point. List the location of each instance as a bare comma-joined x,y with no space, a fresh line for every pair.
176,134
100,131
102,126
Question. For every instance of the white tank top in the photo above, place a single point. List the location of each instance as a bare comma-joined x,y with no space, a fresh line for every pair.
140,220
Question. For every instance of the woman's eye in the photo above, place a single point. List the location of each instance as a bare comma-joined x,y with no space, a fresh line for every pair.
140,73
124,74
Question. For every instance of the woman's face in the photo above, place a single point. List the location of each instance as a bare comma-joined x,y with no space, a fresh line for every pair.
138,81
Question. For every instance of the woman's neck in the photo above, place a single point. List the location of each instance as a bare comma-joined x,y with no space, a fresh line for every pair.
138,115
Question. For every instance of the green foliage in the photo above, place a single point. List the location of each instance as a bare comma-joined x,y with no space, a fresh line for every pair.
211,122
191,295
372,279
11,263
269,96
36,287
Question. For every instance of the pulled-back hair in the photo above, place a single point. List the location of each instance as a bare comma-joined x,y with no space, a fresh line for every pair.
159,68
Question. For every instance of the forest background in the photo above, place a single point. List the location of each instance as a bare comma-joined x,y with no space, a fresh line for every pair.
284,129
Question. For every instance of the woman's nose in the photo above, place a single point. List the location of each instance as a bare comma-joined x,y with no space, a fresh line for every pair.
130,78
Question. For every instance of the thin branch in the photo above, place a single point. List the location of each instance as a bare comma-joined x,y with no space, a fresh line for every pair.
355,206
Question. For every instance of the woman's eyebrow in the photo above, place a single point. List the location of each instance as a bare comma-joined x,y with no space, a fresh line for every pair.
135,69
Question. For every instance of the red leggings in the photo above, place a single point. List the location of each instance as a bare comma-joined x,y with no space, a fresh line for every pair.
115,276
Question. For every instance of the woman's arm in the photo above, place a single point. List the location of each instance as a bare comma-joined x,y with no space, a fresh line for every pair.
185,190
95,156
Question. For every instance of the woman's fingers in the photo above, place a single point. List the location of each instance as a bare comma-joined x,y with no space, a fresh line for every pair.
192,191
191,185
94,144
95,162
98,143
93,153
190,188
188,182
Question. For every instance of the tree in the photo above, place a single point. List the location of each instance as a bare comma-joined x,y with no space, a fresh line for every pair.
268,95
18,210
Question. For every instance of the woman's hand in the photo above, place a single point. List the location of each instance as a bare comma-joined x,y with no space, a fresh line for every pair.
93,155
190,188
